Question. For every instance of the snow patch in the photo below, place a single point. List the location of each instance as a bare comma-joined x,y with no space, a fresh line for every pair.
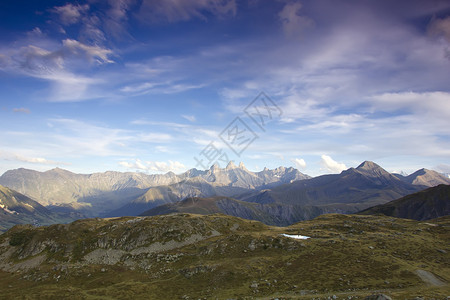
296,236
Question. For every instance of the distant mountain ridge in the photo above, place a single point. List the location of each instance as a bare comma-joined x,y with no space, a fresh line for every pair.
99,193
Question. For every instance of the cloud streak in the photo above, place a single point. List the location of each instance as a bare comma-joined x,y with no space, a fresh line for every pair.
180,10
154,166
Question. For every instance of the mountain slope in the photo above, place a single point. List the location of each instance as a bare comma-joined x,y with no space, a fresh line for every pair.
425,177
270,214
225,205
428,204
16,208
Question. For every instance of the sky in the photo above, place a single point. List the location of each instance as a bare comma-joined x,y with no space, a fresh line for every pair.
167,85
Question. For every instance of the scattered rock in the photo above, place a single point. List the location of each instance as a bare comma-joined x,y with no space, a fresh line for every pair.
378,297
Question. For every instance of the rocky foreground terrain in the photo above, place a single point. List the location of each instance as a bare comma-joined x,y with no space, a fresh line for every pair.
185,256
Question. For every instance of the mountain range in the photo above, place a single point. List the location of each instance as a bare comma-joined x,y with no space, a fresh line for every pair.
115,193
348,192
281,196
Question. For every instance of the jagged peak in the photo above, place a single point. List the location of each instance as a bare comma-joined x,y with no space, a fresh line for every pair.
281,169
242,166
231,165
215,167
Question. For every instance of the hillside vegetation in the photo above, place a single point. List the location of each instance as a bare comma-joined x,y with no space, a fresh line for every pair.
186,256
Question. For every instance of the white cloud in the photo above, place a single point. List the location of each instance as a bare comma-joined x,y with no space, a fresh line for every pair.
331,165
154,166
70,14
190,118
299,163
182,10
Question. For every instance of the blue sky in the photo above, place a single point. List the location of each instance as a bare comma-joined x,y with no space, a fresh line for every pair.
153,85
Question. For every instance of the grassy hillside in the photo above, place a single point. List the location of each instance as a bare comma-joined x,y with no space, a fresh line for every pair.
427,204
196,257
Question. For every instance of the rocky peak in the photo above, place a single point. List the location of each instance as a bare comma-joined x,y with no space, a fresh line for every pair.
214,168
368,165
427,178
242,166
371,169
231,165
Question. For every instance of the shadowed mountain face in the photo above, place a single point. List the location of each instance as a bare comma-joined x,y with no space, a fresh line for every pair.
270,214
367,185
16,208
431,203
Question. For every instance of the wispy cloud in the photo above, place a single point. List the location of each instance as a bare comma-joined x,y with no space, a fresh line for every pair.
293,22
21,110
59,67
190,118
180,10
154,166
70,14
34,160
440,27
